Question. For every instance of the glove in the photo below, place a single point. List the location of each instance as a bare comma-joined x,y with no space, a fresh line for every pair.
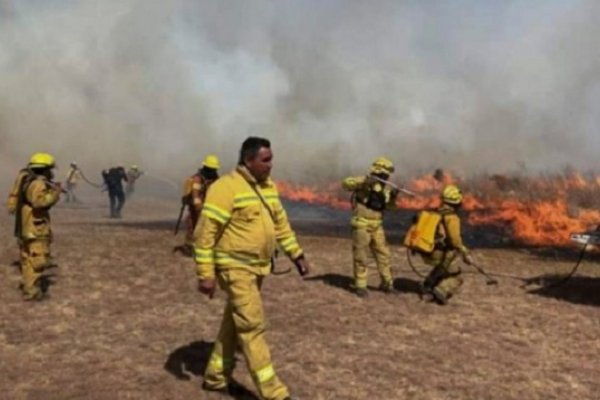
394,193
302,265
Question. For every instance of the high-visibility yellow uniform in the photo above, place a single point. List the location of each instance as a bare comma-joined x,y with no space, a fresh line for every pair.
194,193
235,241
369,202
445,276
13,195
35,233
71,181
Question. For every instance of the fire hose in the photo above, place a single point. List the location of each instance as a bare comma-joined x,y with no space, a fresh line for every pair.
489,279
590,238
89,182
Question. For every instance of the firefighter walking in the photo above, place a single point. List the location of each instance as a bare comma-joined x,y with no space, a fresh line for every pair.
241,224
113,181
371,196
445,279
194,193
71,181
36,194
133,174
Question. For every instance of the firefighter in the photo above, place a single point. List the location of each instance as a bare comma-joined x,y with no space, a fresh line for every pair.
36,195
241,224
71,180
371,196
133,174
444,280
113,181
194,193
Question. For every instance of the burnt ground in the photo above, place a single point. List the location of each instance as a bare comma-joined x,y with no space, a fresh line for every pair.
124,320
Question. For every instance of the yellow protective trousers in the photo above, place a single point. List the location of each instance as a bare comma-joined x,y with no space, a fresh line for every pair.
370,239
244,324
445,275
35,257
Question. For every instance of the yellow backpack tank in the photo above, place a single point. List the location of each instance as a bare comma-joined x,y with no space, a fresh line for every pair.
421,236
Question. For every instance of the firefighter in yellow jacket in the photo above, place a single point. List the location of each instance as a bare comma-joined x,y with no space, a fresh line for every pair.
370,198
194,193
36,195
71,181
241,223
444,279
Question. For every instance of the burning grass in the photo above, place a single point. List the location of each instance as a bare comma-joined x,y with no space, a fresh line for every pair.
533,210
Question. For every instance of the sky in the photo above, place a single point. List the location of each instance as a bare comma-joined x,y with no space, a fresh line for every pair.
470,86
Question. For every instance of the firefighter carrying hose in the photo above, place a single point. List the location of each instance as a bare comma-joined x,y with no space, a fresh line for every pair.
370,198
133,174
71,181
35,195
436,236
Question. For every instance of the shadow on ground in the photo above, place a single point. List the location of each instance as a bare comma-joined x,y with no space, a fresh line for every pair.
191,360
578,289
154,225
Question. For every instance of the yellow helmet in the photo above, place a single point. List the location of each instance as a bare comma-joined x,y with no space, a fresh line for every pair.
211,161
41,160
382,165
134,167
452,195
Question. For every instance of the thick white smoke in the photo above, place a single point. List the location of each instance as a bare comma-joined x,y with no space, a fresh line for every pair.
467,85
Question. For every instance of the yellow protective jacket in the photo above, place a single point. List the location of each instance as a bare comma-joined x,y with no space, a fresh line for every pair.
449,230
39,196
363,216
237,231
13,196
72,177
194,191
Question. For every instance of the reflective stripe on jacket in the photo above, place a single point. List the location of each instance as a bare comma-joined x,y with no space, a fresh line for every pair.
236,230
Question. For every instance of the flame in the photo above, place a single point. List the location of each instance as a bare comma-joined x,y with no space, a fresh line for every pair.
536,211
330,195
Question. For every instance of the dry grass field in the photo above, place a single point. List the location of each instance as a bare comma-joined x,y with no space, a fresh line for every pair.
124,320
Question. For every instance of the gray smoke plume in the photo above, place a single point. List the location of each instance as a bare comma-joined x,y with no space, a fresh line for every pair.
467,85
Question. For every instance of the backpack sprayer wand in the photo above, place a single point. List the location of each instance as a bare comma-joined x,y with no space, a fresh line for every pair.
398,188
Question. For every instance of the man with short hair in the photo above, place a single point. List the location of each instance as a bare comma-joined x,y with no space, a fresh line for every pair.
241,223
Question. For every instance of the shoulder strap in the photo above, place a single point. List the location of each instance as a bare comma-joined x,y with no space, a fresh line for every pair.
263,201
21,200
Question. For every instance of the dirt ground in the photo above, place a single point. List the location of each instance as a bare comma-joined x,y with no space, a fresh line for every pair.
124,321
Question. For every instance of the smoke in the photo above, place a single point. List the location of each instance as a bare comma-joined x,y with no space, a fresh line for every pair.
465,85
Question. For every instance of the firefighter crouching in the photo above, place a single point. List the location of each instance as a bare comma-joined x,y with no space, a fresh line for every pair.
241,223
370,198
445,279
36,195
